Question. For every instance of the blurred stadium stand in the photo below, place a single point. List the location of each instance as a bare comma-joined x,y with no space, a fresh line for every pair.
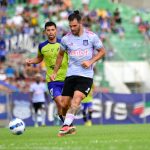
125,41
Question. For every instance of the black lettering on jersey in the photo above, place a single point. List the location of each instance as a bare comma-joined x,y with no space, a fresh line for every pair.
85,42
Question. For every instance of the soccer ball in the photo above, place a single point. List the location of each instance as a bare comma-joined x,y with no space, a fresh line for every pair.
17,126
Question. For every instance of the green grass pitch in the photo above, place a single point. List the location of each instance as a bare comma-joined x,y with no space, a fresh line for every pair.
97,137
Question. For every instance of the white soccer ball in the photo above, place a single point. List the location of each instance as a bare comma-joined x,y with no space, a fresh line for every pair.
17,126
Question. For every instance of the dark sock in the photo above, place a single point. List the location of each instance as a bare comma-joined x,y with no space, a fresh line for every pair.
90,115
65,125
61,118
84,116
71,125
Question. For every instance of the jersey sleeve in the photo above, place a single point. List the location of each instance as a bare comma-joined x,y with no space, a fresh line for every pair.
63,45
39,50
97,43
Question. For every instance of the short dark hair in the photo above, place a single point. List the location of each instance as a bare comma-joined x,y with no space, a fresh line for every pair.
50,23
75,15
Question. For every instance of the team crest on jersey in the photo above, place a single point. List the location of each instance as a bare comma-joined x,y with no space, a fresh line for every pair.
85,42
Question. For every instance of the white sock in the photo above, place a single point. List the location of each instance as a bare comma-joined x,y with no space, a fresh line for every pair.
69,119
43,115
35,117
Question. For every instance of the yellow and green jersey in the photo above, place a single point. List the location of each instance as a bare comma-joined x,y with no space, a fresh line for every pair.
89,97
49,51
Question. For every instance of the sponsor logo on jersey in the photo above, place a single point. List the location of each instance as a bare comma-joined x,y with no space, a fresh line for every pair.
78,52
85,42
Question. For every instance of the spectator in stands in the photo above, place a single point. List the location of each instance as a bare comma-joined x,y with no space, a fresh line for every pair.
110,54
121,31
105,25
34,17
10,72
2,49
67,5
20,74
11,2
30,71
87,2
148,32
117,17
85,10
45,10
137,19
142,27
2,73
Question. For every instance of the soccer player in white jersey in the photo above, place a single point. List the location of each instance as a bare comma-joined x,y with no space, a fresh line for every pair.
38,92
80,44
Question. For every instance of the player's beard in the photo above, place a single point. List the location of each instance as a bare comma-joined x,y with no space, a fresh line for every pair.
51,38
76,32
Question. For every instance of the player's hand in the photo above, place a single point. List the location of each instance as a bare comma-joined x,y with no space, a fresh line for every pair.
53,76
28,61
86,64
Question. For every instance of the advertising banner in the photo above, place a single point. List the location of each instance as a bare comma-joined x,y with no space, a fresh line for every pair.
108,108
123,108
3,107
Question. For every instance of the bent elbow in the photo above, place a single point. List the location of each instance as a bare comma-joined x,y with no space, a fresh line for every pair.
103,51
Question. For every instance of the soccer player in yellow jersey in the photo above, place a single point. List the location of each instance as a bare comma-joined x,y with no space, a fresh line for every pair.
48,51
87,108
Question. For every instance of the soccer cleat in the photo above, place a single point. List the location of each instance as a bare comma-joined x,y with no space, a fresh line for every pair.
66,130
88,123
43,125
72,130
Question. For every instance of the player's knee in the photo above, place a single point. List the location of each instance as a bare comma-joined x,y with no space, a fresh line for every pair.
74,108
59,105
65,104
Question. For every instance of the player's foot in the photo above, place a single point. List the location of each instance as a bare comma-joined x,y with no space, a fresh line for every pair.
88,123
43,125
66,130
72,130
36,125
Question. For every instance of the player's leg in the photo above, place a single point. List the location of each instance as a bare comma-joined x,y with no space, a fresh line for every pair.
43,114
84,113
58,101
80,88
90,110
67,93
70,116
35,107
55,90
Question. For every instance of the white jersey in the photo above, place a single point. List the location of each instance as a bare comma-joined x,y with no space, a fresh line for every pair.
79,49
38,92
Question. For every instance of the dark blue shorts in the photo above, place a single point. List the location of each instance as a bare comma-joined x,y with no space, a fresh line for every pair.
55,88
86,106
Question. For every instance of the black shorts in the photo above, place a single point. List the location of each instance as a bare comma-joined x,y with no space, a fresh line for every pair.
77,83
38,105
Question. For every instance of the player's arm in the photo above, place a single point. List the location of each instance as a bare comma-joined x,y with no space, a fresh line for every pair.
58,64
35,60
97,44
99,55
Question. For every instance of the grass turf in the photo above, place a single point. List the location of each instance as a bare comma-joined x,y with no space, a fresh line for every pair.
97,137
